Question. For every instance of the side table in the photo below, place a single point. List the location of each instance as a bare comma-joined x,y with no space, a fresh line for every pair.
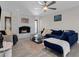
36,38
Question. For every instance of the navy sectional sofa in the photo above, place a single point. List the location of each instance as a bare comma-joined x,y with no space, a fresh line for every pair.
69,36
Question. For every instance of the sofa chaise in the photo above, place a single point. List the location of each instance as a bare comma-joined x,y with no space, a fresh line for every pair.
69,36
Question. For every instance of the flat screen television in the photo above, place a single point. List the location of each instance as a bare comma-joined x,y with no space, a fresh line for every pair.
58,17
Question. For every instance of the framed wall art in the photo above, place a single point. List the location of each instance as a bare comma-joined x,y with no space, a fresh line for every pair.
24,20
58,17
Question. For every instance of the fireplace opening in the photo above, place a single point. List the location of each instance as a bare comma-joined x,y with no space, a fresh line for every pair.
24,29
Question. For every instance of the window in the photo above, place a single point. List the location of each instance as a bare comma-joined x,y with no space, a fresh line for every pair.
36,26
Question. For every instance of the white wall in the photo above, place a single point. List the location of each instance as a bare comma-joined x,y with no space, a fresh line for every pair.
16,15
70,20
48,22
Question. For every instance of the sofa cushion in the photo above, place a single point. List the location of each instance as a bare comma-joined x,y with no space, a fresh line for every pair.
46,31
72,31
57,32
69,32
52,36
64,36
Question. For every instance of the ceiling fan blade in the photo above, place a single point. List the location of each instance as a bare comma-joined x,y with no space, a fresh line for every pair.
45,2
53,2
52,8
40,3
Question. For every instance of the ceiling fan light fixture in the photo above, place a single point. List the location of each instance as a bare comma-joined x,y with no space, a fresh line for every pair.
45,8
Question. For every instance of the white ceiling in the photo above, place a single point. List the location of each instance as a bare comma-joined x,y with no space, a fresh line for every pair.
34,8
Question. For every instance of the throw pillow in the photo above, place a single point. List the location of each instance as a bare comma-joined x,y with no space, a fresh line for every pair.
46,31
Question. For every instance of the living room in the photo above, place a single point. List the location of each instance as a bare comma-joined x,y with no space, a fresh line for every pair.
22,17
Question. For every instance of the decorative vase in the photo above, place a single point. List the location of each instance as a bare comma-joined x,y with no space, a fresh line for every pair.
1,40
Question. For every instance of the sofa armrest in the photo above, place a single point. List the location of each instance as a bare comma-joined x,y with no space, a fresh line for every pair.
73,39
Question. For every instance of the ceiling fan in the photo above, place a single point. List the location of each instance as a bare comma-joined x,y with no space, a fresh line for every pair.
46,6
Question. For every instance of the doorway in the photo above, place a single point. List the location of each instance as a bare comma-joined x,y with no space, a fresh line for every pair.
8,24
